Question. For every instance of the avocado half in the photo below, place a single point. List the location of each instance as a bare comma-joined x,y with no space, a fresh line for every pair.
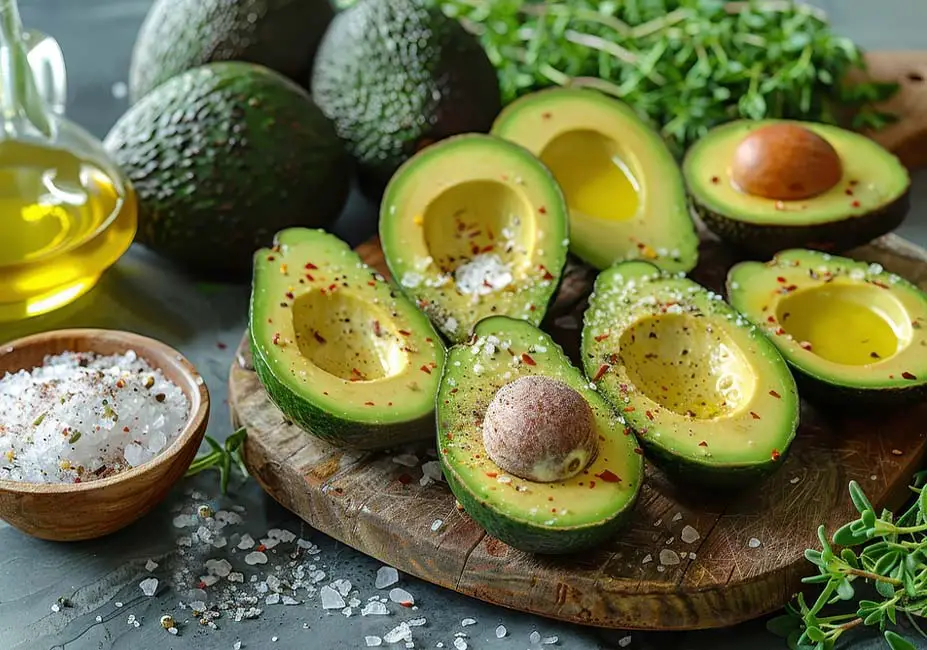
475,226
871,198
339,350
538,517
855,333
625,192
711,399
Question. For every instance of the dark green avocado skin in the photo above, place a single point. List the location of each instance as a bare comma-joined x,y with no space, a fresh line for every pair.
397,75
688,472
764,241
177,35
861,401
535,539
222,157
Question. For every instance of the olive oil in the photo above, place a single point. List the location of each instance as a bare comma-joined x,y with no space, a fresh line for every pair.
63,221
595,181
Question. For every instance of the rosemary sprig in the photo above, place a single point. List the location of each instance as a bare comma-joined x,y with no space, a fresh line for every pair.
686,65
223,458
891,556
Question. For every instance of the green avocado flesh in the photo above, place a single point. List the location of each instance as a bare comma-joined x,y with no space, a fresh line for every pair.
475,226
338,349
870,199
845,325
709,396
396,75
558,517
178,35
258,157
625,192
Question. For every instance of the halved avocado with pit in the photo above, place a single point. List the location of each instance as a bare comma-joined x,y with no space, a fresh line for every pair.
340,351
625,192
534,516
711,399
474,226
769,185
855,333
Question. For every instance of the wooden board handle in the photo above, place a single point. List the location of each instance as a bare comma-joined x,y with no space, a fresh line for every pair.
907,138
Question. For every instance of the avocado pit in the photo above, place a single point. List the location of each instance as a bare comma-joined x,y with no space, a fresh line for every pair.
785,162
540,429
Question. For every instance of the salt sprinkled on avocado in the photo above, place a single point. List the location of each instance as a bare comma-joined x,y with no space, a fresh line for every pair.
483,274
540,429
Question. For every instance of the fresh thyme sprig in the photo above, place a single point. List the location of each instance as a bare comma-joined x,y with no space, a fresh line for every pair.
892,557
223,458
686,65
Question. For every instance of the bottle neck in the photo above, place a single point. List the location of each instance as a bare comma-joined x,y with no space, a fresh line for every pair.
21,106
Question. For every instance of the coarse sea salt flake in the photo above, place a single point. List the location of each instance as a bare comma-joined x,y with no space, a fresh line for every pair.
501,631
255,557
374,608
151,565
624,641
689,535
467,621
373,641
535,637
460,644
401,632
401,596
386,576
149,586
331,599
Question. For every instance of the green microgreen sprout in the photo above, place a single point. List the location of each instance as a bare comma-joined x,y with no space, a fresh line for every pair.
223,457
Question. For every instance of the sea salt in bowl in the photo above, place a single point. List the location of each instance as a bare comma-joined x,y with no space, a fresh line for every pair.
97,506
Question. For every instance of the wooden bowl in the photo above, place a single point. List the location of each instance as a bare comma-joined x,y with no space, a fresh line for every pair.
69,512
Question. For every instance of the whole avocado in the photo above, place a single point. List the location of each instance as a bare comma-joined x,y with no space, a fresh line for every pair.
177,35
223,156
397,75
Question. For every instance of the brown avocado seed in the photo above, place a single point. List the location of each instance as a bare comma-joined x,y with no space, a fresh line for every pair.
540,429
785,162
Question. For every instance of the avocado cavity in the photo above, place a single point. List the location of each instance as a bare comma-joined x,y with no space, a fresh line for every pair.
540,429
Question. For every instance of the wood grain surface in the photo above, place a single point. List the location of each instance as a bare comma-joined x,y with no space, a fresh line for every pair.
69,511
377,506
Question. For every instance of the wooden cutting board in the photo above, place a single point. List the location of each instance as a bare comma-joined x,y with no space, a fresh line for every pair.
748,559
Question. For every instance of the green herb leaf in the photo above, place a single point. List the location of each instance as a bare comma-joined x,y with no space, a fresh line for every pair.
898,642
783,625
221,458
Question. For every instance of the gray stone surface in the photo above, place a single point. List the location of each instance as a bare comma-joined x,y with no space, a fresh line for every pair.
205,321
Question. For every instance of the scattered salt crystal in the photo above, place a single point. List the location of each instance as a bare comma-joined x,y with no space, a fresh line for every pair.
535,637
99,619
68,419
431,470
460,644
647,558
373,641
131,620
668,557
677,516
219,567
354,602
401,596
235,576
151,565
237,645
331,599
794,480
289,600
416,622
386,576
117,604
501,631
149,586
401,632
483,274
624,641
374,608
119,90
273,639
255,557
436,525
209,580
689,535
56,607
246,542
550,640
182,521
342,586
272,599
754,543
467,621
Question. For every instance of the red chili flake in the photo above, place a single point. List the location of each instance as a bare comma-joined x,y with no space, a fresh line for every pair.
715,180
376,328
591,484
848,192
703,443
126,429
601,372
271,258
608,476
310,277
425,369
775,454
405,332
454,390
771,319
915,324
805,345
775,394
546,116
780,331
428,339
638,451
627,431
332,287
781,280
260,548
369,404
527,359
878,284
318,337
547,274
649,415
422,303
492,474
908,375
531,307
277,338
550,498
628,409
487,249
310,266
475,233
790,288
200,585
325,392
601,337
754,415
542,210
405,479
855,204
120,383
221,345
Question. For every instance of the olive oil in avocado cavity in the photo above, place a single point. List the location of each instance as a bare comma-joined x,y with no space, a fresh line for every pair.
594,179
62,218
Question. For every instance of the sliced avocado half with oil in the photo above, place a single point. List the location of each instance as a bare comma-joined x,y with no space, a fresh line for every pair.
855,333
532,515
475,226
340,351
831,192
625,191
711,399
